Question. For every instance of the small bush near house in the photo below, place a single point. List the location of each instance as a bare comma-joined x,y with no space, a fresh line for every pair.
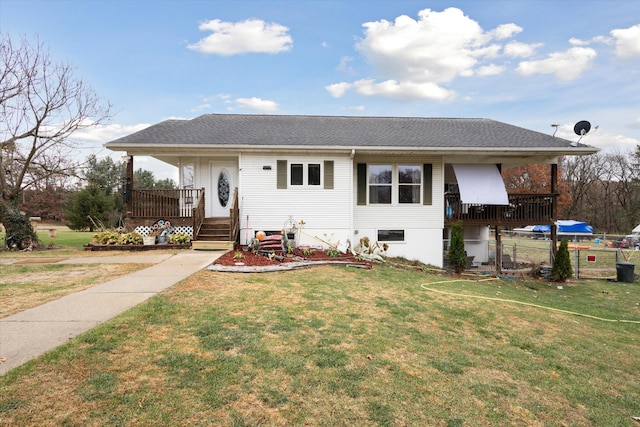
179,238
457,254
117,237
561,269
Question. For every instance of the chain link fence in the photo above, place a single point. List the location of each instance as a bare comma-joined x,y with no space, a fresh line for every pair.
592,257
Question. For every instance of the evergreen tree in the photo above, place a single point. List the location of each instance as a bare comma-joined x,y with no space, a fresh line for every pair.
457,254
91,207
104,173
144,179
561,268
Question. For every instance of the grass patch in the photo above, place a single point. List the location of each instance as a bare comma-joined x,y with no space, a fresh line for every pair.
339,346
24,286
66,243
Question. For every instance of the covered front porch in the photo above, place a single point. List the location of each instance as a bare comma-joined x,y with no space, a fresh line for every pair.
212,220
185,209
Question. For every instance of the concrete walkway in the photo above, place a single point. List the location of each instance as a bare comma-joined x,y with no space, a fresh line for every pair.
31,333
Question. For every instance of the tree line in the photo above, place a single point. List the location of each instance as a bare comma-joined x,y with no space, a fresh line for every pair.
602,189
93,199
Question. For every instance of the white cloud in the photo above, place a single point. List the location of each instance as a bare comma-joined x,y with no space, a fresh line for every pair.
257,104
338,89
200,108
436,48
416,57
627,41
344,65
506,31
105,133
250,36
490,70
521,50
565,66
403,90
577,42
597,39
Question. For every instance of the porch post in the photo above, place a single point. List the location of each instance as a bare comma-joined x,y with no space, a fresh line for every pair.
554,208
129,186
498,250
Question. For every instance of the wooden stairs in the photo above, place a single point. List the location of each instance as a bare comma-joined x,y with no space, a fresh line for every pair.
214,235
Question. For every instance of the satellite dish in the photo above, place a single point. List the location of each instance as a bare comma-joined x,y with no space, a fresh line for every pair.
582,128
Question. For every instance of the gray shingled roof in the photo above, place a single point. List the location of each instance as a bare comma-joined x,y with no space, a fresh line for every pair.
270,131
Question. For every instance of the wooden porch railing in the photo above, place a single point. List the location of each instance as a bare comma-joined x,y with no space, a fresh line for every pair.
234,214
523,209
176,203
198,214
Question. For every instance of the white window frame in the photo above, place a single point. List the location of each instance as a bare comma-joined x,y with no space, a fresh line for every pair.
395,184
305,175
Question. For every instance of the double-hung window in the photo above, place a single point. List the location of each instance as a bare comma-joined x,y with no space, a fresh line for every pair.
380,183
298,174
409,183
390,184
305,174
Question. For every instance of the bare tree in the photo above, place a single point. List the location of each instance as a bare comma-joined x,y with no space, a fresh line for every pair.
605,190
582,175
41,105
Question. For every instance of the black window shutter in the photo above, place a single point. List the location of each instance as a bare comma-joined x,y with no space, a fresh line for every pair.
427,184
362,183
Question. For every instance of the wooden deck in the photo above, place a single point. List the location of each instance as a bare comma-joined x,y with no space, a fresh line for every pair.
523,209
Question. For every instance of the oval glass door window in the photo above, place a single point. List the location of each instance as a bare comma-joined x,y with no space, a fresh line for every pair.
223,188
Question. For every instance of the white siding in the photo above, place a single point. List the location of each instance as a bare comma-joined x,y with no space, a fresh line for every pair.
326,212
332,215
422,224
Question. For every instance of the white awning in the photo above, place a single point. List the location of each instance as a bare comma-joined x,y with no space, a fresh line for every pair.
480,184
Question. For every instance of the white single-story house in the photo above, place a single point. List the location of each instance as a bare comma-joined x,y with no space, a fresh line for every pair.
396,180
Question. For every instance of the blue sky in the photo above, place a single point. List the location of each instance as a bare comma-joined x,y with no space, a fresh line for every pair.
528,63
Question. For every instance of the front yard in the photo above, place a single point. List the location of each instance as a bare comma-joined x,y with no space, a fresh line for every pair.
345,346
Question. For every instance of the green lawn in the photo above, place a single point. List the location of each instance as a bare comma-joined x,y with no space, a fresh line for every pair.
342,346
65,242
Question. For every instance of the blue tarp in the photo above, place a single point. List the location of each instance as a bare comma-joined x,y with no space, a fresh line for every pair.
565,226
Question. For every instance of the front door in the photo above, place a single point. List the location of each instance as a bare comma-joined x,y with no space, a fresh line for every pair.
224,179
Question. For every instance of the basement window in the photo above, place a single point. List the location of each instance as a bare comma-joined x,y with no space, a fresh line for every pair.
391,235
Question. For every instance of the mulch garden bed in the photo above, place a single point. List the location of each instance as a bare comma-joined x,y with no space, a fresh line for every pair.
253,259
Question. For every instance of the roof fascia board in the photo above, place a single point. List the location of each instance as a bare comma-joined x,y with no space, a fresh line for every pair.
147,149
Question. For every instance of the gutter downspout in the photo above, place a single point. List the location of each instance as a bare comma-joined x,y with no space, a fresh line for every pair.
352,208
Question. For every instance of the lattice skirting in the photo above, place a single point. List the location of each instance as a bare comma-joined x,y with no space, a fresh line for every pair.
145,230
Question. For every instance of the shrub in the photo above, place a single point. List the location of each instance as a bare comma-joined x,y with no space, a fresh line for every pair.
457,254
107,237
333,252
179,238
561,269
132,238
19,231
